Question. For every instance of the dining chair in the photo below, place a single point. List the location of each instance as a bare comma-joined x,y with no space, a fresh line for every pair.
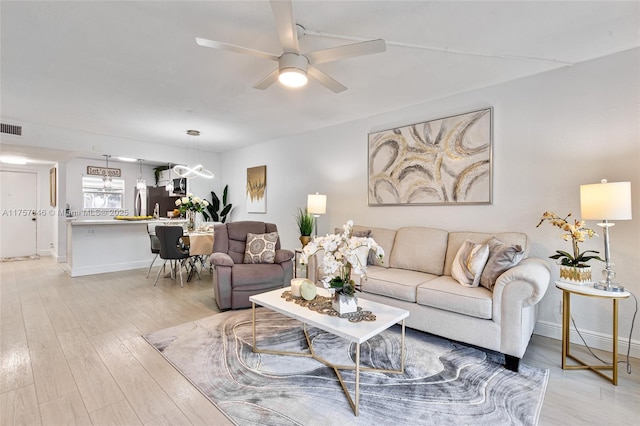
155,244
170,250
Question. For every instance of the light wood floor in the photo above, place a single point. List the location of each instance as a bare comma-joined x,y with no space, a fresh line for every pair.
72,353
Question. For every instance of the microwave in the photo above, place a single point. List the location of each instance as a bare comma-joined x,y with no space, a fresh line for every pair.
179,187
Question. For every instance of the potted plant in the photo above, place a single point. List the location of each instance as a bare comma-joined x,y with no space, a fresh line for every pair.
213,209
574,267
305,221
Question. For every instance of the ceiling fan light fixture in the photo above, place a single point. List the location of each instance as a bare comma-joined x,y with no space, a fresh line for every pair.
293,70
293,77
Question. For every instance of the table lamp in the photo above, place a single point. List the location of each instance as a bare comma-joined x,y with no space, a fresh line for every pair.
316,205
606,201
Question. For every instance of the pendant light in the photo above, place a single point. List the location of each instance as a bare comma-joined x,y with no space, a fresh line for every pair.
195,171
169,185
140,182
106,179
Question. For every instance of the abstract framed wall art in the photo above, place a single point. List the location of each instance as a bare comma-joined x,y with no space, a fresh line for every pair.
442,161
257,189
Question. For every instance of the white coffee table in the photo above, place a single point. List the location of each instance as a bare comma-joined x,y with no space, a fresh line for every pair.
358,332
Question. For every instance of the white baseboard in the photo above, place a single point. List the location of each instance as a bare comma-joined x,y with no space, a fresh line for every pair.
101,269
593,338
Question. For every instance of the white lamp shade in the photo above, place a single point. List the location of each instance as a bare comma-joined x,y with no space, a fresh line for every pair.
606,201
316,204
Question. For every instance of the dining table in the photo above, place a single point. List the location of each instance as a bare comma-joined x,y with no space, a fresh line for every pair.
200,243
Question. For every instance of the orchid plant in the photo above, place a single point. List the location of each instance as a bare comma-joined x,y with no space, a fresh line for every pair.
576,233
343,254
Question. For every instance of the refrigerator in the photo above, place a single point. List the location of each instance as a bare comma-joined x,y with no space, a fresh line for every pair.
146,199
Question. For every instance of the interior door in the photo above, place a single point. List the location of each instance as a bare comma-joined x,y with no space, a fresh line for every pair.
18,219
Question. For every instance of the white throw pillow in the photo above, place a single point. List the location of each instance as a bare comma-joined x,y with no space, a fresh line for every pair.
469,262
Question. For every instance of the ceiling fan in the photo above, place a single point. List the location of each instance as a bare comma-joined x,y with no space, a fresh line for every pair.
294,67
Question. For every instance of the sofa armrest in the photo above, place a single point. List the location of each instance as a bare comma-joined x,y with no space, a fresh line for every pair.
515,297
221,259
283,255
532,277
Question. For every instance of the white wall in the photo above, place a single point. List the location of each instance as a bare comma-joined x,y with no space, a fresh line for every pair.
552,133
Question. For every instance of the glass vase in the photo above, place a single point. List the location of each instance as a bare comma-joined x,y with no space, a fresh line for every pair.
191,221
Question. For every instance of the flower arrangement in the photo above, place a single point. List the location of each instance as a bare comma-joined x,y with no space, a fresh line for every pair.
343,254
577,233
191,204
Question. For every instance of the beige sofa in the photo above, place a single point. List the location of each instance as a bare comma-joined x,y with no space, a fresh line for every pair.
415,275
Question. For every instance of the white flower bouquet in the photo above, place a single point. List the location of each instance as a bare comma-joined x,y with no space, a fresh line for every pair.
191,203
343,254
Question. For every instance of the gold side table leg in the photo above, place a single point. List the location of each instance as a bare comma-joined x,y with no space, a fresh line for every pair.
614,379
566,336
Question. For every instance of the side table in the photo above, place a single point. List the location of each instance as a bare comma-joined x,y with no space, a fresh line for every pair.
589,291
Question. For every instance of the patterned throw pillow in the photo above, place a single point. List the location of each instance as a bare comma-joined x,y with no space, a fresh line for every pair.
501,257
469,262
261,248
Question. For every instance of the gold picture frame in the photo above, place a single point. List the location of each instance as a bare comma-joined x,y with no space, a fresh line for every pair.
257,189
53,183
445,161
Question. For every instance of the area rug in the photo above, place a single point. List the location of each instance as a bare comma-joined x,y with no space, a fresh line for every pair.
444,383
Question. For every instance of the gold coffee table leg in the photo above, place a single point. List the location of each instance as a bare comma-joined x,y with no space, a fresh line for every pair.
354,402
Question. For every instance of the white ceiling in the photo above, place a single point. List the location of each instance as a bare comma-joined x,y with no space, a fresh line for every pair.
133,70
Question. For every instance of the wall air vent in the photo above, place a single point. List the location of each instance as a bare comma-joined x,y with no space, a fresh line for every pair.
11,129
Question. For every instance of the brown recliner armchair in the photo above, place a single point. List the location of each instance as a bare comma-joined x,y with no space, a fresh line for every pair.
235,281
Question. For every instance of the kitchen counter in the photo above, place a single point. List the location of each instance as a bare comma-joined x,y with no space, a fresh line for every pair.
96,246
92,222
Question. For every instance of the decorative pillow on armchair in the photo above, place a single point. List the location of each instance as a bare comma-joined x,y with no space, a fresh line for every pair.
261,248
501,257
469,262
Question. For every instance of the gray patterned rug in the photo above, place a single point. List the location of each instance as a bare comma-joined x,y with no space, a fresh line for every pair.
444,383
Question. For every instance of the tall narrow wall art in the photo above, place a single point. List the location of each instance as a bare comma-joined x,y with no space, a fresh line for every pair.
442,161
257,189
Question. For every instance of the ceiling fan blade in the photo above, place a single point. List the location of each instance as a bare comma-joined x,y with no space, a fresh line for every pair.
286,25
268,80
233,48
346,51
325,80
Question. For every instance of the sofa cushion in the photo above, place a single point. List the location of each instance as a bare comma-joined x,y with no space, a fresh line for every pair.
445,293
469,263
396,283
419,249
384,238
260,248
501,257
457,238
